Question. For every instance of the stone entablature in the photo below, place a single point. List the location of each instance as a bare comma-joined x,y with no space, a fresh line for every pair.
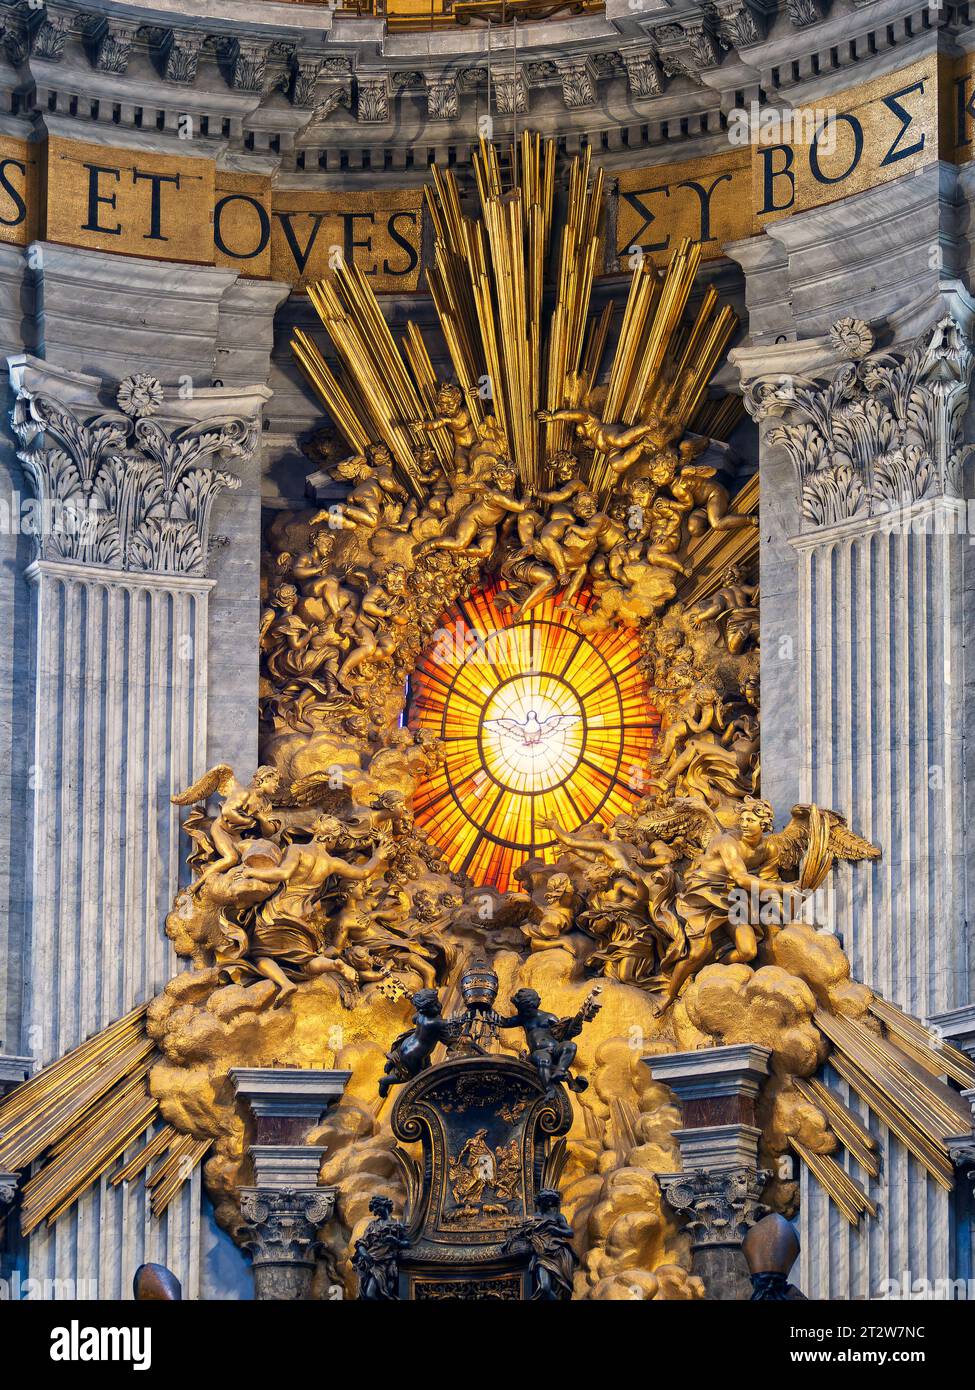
193,204
291,82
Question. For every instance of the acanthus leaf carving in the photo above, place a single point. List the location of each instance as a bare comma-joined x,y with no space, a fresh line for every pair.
122,492
720,1204
882,432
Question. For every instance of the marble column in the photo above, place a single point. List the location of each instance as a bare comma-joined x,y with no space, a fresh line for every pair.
285,1207
719,1190
868,450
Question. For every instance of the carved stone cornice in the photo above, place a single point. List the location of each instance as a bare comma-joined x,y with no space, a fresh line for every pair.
119,489
720,1204
281,1224
572,54
879,433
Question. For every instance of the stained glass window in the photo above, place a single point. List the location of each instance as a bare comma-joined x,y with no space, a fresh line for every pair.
538,721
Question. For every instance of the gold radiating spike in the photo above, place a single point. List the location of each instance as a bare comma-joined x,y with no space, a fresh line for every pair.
858,1141
418,356
942,1058
140,1161
377,384
88,1154
323,380
178,1166
509,356
848,1195
49,1105
928,1152
922,1112
929,1102
719,418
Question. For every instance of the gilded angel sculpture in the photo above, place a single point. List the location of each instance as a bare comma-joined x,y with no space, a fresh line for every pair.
245,809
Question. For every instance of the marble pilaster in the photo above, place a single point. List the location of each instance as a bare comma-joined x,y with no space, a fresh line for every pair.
119,684
856,369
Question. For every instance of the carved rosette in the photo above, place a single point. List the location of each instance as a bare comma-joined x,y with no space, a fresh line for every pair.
882,432
122,490
720,1204
281,1224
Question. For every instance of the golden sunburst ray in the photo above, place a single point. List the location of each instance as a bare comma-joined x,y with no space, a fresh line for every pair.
512,356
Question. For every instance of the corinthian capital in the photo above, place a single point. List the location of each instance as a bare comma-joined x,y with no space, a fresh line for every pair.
721,1204
281,1224
118,488
880,432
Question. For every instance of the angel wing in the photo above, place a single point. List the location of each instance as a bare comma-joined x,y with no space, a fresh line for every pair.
686,822
835,840
218,779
